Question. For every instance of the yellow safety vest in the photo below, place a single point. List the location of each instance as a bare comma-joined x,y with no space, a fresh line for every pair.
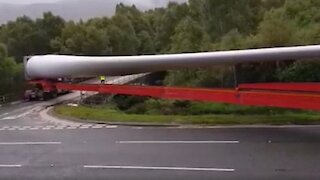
102,78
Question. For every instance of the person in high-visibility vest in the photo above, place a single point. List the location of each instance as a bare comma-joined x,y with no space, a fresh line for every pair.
102,79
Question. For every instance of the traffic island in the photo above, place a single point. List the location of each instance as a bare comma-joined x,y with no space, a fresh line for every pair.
111,115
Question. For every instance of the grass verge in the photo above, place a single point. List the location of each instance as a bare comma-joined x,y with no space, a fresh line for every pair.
107,114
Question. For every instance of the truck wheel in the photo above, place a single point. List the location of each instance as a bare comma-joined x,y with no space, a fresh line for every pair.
47,96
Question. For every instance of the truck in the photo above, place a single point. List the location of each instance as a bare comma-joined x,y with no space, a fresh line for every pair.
42,89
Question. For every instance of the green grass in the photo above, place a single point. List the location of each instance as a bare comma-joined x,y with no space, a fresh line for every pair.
109,114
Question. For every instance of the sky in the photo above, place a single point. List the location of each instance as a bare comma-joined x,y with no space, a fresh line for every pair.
26,1
51,1
69,9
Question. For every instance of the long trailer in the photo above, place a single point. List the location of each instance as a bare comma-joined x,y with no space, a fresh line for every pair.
45,71
283,95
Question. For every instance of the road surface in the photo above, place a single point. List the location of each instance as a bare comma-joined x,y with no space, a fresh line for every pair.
31,147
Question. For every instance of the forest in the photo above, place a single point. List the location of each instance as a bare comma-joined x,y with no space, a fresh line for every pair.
196,26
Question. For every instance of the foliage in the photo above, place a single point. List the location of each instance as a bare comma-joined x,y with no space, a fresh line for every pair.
199,25
10,72
301,71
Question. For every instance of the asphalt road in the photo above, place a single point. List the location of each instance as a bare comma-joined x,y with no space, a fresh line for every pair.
33,148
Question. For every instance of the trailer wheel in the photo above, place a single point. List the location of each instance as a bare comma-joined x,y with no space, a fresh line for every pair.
47,96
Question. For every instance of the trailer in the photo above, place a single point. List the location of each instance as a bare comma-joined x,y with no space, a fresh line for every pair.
38,90
48,74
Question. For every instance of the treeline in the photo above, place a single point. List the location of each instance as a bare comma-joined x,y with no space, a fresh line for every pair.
199,25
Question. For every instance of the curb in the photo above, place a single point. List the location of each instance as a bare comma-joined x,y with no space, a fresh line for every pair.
47,115
56,118
16,102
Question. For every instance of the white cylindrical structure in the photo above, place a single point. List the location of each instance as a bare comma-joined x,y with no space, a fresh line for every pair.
56,66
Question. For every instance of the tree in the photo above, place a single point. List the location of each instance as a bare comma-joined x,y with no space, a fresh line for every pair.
276,30
301,71
146,43
10,73
165,27
220,16
123,36
25,36
187,36
3,51
47,28
82,39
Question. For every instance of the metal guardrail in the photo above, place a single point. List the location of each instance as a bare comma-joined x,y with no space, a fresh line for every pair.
94,98
7,98
127,79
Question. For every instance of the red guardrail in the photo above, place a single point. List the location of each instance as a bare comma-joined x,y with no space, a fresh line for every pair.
295,100
286,95
299,87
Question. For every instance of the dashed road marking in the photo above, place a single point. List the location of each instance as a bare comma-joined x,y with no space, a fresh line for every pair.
83,127
57,127
10,165
159,168
177,142
30,143
99,126
111,127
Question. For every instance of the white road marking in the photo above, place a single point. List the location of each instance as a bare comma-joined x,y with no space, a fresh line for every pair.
86,125
57,127
83,127
60,127
20,115
159,168
30,143
177,142
10,165
111,126
49,126
98,126
9,118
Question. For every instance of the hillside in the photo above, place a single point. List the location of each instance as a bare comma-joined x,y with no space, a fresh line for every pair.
72,9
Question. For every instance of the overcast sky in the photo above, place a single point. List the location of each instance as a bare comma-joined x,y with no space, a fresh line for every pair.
26,1
70,9
50,1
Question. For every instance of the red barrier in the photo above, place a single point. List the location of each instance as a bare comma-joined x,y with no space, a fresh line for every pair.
283,100
193,94
286,95
299,87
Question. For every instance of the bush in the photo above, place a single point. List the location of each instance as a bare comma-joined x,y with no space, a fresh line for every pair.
137,109
124,102
140,105
198,108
